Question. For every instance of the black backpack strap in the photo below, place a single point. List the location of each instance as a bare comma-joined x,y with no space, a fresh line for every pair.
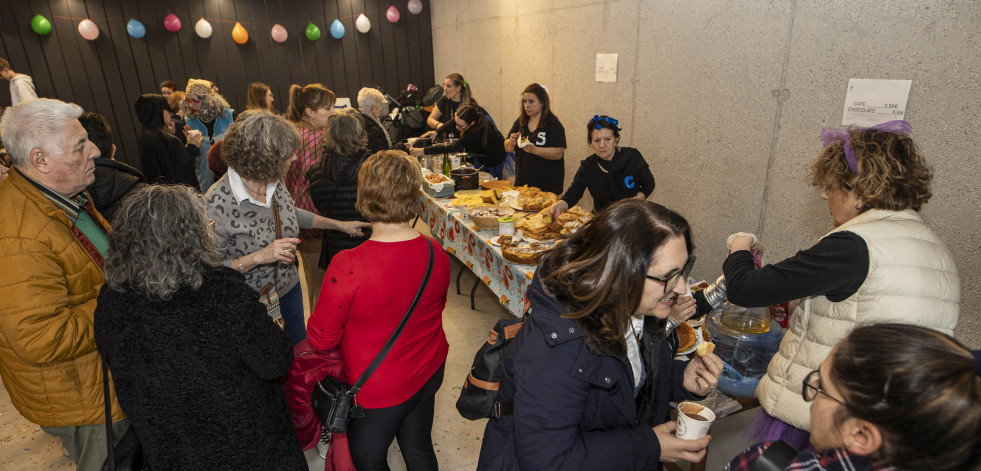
391,340
776,457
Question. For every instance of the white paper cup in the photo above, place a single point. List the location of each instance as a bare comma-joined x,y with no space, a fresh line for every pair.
694,421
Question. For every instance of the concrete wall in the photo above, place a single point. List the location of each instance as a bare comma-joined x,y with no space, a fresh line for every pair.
726,100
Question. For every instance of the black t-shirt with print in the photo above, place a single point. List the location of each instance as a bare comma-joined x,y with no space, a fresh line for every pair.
532,170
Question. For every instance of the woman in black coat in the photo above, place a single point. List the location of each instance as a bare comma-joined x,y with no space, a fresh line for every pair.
589,375
163,159
334,181
194,356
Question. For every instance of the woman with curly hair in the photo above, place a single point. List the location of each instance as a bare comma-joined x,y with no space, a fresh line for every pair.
255,218
192,352
207,112
881,264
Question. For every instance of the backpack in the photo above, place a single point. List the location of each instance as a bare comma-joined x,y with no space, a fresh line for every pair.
433,95
478,399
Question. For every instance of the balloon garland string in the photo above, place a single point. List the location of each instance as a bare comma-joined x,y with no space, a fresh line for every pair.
216,21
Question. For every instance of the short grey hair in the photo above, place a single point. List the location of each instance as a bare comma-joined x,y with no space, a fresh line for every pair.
369,98
257,144
161,242
37,123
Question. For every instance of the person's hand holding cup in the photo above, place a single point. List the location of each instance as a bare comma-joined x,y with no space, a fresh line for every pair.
694,421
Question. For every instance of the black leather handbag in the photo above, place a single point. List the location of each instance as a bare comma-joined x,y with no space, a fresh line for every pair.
334,402
127,455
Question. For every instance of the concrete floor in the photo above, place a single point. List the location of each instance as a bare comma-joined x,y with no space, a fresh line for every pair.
23,446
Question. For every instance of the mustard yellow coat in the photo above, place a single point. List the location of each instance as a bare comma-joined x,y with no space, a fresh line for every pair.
50,275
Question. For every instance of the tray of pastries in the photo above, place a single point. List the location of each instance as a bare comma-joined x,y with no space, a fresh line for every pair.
525,253
542,226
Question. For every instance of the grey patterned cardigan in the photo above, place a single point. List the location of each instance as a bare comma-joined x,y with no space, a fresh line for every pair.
244,227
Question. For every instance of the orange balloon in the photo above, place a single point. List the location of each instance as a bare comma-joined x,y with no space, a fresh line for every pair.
239,34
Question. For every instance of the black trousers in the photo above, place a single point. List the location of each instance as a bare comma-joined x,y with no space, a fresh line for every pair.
411,422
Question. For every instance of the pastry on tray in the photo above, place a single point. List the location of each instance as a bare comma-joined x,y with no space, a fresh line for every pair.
522,253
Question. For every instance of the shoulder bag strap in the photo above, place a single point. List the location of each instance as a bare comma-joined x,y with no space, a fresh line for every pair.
108,406
279,235
391,340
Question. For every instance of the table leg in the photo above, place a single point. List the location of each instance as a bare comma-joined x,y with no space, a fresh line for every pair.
473,291
458,275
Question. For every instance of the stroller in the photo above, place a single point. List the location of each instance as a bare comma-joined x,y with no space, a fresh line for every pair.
406,117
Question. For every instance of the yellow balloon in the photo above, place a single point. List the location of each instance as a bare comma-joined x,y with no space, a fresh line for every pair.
239,34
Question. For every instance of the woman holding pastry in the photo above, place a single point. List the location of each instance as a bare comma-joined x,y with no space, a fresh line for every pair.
611,174
587,380
537,139
880,264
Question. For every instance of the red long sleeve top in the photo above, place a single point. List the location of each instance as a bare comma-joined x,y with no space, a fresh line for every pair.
365,293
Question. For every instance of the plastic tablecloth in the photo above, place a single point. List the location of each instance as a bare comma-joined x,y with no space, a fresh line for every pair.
509,281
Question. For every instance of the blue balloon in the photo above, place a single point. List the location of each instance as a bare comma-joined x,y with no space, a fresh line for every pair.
337,29
135,29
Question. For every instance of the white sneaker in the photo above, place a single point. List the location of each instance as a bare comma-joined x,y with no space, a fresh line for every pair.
322,448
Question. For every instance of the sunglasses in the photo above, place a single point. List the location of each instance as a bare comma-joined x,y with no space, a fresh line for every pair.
671,281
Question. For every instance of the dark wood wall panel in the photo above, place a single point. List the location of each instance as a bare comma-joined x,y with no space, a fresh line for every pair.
108,75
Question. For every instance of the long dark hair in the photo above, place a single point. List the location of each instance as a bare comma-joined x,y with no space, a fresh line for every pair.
476,121
919,388
257,96
599,272
538,91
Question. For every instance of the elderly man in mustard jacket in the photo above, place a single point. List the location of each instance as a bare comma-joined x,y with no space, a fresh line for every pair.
52,248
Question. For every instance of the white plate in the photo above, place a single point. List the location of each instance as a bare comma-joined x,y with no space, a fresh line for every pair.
698,340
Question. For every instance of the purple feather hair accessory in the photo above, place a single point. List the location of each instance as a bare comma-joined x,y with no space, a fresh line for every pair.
830,135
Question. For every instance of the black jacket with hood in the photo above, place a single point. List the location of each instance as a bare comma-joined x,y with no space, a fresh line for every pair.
162,156
113,180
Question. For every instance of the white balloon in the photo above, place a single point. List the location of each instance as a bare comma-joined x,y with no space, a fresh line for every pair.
363,24
415,6
203,28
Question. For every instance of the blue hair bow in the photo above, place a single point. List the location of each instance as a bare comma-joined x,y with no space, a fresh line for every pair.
598,121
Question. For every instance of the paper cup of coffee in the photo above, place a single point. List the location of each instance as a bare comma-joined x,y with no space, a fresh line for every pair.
694,421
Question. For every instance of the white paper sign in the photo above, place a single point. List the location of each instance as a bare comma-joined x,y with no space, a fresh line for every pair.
342,103
870,102
606,67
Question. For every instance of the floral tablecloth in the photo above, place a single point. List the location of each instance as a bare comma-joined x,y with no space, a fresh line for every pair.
509,281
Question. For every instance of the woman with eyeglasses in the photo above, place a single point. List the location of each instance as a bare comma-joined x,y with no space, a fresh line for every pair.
587,380
611,174
478,137
889,397
880,264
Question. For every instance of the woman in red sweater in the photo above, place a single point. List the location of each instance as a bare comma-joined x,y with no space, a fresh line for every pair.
365,294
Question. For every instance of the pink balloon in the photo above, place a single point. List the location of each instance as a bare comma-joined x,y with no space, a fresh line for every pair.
88,30
392,14
172,23
279,33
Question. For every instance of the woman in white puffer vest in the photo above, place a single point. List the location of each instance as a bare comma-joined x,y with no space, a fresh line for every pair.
880,264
